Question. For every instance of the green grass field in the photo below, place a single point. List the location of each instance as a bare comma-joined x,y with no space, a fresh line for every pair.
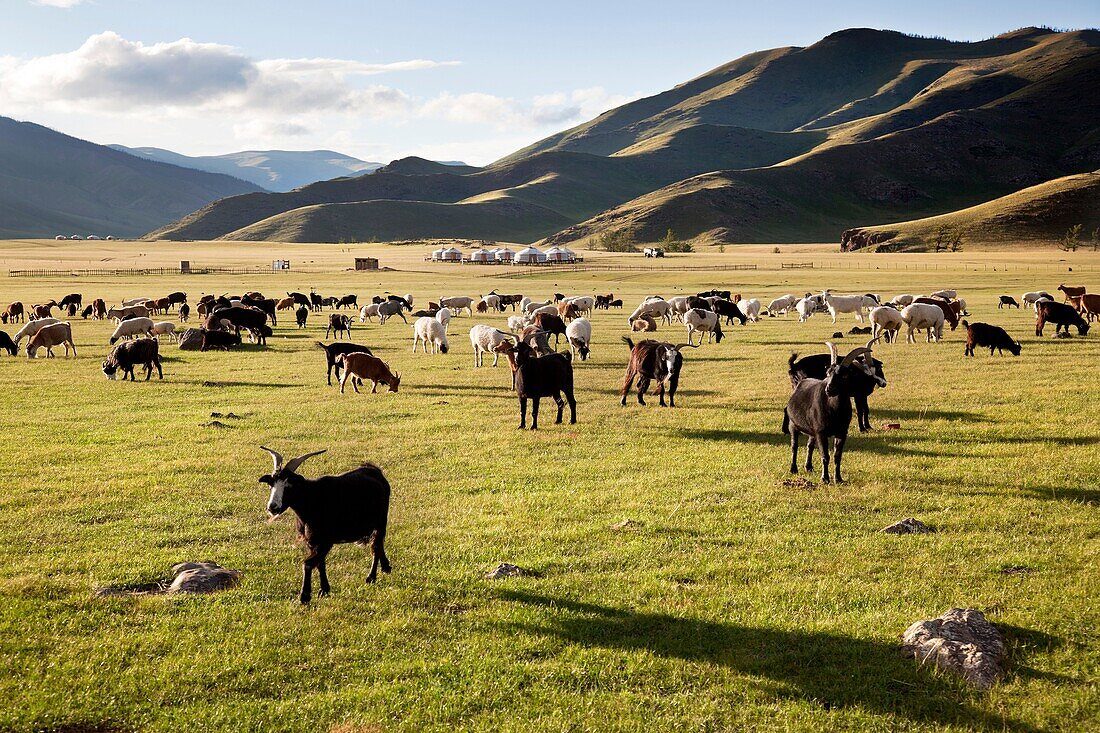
736,603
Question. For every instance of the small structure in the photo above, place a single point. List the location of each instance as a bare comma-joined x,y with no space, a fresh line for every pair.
280,264
505,255
451,254
366,263
437,254
554,255
529,256
482,257
185,267
568,255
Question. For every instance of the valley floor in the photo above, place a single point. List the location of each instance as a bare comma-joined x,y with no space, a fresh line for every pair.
735,600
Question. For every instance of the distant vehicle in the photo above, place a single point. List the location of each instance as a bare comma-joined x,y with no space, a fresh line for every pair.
654,252
60,236
92,236
76,236
110,238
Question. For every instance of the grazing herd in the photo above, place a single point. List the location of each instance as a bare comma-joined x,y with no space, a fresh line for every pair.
353,507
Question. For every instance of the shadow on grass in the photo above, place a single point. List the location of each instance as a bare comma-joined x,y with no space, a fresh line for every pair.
272,385
828,670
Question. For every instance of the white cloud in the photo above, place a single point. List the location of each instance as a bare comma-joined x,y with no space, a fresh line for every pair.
557,109
58,3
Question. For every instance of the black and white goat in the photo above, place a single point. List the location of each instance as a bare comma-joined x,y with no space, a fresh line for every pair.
822,409
332,510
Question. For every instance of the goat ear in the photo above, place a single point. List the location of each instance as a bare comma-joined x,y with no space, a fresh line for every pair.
268,479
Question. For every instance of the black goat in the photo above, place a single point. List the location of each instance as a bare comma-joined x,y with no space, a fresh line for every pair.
332,510
338,323
993,337
724,294
7,344
1061,315
219,340
729,309
335,349
651,361
543,376
551,324
351,301
1007,300
822,409
72,298
301,315
267,305
816,366
185,312
129,354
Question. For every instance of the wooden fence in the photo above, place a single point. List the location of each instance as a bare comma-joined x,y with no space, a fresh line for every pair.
144,271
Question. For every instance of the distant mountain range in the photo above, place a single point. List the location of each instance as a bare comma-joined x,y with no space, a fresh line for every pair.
863,128
53,184
274,170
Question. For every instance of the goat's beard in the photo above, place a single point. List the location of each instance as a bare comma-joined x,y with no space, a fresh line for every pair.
272,517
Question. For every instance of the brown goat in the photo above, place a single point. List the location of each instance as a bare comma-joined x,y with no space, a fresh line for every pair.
363,366
43,310
645,323
1090,305
1072,291
285,304
53,335
13,313
567,311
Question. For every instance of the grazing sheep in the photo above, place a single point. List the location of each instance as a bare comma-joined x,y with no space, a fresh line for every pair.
751,309
6,344
129,311
1035,296
903,300
489,340
994,337
368,312
782,304
164,328
132,329
951,309
129,354
301,316
887,322
543,376
654,307
653,361
429,330
219,340
30,328
339,324
579,335
517,323
285,304
332,510
50,336
822,409
945,294
584,304
844,304
360,366
443,315
703,322
458,303
919,316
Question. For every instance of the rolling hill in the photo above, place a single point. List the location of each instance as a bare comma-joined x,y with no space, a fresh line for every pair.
1038,213
273,170
791,144
52,184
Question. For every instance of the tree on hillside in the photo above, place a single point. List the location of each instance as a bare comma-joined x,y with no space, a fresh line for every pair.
948,238
671,244
1072,238
621,240
1095,238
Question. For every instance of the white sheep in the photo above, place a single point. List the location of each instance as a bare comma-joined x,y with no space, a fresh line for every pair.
806,307
679,306
443,315
458,303
533,305
583,303
945,294
429,330
903,300
368,312
487,339
579,335
550,309
751,309
887,322
1034,297
491,301
33,327
654,306
923,316
164,328
843,304
783,304
703,321
517,323
133,328
135,301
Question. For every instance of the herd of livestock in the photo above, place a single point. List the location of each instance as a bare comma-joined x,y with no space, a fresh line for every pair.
353,507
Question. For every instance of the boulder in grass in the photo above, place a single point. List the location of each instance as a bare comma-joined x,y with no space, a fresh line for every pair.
960,641
508,570
191,340
908,526
202,577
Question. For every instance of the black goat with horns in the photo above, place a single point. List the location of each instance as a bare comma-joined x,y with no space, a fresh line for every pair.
332,510
822,409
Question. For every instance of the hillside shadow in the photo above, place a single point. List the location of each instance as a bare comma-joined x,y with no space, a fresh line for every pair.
824,669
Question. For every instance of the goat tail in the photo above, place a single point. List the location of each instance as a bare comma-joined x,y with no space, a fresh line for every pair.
319,344
786,422
792,360
628,342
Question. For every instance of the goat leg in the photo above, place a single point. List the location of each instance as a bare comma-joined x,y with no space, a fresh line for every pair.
811,443
322,576
838,451
823,446
535,412
794,451
522,413
572,407
561,407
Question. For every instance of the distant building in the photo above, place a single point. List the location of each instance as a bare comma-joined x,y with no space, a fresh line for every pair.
366,263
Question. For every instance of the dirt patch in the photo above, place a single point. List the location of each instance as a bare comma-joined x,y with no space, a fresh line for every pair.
799,483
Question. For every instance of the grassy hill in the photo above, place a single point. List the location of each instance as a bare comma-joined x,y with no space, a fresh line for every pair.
1038,213
51,184
788,144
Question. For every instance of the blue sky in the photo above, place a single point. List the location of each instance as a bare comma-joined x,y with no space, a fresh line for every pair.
380,80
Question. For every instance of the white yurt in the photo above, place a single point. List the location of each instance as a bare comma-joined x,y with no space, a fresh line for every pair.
555,254
567,254
437,254
452,254
529,256
505,255
480,255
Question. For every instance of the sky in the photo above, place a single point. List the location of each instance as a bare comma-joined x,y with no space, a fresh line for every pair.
469,81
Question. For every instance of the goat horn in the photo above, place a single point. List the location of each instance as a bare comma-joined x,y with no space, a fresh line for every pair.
872,341
276,456
832,351
680,346
855,354
293,463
